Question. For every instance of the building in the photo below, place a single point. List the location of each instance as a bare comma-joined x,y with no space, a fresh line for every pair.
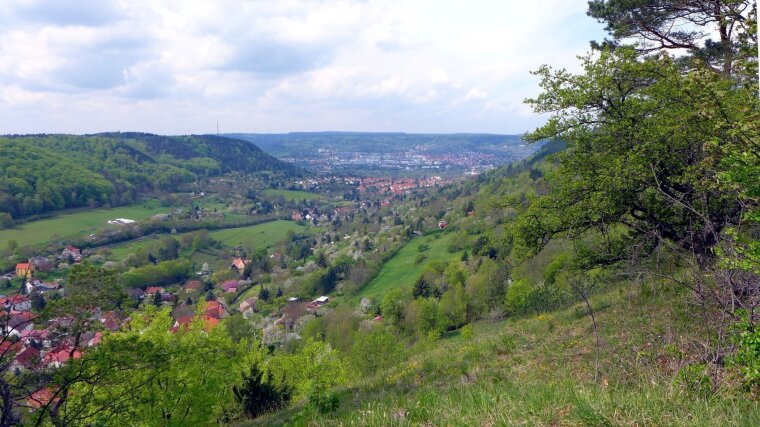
73,252
239,264
25,270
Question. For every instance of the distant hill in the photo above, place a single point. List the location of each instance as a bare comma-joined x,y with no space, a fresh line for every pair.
299,143
43,173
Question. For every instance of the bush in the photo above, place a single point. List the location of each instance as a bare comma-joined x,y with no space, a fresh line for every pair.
747,357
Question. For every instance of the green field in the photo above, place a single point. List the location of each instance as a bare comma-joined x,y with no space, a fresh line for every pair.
402,271
291,195
76,224
261,236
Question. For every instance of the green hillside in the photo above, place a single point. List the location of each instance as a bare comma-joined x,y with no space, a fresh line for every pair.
44,173
539,370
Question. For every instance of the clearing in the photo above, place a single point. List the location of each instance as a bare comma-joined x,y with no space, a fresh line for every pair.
403,269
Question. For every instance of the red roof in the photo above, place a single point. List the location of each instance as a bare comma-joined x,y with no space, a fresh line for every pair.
154,290
184,323
61,355
22,265
215,309
28,358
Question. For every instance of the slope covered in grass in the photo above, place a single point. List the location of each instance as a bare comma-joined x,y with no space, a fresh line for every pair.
405,267
540,370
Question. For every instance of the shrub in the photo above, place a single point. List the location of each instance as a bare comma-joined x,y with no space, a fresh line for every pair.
747,357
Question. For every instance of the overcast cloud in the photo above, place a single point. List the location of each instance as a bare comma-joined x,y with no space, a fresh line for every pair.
176,67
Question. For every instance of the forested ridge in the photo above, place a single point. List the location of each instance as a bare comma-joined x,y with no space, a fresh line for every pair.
44,173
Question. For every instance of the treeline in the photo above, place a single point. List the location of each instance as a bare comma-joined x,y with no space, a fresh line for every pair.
45,173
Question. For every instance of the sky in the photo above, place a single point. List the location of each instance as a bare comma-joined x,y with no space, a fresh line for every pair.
182,66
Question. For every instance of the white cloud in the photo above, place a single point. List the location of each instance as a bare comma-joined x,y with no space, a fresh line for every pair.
280,65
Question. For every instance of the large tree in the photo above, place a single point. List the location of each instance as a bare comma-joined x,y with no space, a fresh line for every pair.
663,146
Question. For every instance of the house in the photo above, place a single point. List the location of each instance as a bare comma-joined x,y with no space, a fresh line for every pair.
183,323
215,309
16,303
239,264
28,358
136,293
41,263
442,224
36,337
230,286
41,287
25,270
296,216
110,320
193,286
153,290
319,302
168,298
19,323
73,252
248,304
58,356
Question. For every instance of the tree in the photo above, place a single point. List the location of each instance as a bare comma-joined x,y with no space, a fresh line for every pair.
392,307
264,294
157,299
311,373
376,351
677,24
147,375
38,301
422,289
258,395
651,144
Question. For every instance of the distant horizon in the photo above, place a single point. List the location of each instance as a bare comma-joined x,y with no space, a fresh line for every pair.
227,134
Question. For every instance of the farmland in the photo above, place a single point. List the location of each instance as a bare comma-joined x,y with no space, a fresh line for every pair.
76,224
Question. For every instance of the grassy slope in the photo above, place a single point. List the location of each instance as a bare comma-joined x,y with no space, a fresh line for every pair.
76,224
539,371
402,271
291,195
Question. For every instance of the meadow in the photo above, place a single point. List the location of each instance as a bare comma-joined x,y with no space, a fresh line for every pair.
263,235
76,224
403,269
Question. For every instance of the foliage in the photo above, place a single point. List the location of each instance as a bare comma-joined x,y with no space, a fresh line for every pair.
747,356
257,395
311,373
163,273
147,375
375,351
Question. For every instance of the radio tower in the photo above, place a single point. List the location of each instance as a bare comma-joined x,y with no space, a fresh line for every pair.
217,128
